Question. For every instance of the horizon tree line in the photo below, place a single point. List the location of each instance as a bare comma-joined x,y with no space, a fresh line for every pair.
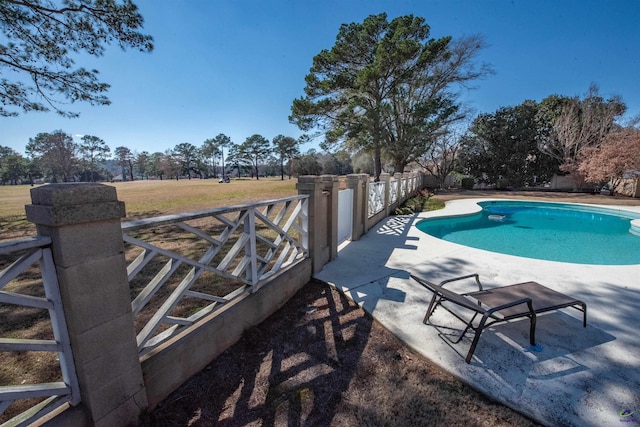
56,157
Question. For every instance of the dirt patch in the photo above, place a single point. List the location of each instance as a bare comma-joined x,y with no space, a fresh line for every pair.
322,361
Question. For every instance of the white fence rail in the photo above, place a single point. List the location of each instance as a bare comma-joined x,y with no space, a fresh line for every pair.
28,285
376,197
400,189
183,267
393,191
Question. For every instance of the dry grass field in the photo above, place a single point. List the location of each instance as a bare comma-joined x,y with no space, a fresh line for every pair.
152,198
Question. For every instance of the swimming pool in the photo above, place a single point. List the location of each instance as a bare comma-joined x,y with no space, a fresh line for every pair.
549,231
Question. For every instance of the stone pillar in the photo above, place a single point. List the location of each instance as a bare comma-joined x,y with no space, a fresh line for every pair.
386,178
398,177
407,185
330,189
358,183
323,217
83,221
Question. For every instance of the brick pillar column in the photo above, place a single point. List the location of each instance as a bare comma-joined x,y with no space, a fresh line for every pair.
358,183
83,221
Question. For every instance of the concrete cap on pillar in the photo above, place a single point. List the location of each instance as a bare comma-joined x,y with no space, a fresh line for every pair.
73,203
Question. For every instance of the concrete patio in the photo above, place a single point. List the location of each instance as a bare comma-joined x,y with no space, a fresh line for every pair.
582,376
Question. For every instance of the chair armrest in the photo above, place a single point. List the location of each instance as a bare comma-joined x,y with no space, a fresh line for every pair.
477,277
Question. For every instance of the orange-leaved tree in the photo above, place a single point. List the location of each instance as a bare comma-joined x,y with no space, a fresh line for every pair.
616,158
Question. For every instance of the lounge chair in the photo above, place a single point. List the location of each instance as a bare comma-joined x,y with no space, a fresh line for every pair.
498,305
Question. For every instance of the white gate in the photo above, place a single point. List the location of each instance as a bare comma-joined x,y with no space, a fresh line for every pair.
345,214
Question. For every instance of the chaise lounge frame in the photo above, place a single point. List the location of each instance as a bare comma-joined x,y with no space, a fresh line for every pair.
497,305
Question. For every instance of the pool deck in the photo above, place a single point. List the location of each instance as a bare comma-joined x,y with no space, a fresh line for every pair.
582,376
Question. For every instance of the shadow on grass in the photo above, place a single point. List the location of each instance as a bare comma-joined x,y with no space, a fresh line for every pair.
16,227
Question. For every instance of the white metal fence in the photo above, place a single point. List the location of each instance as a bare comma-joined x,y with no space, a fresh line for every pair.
29,287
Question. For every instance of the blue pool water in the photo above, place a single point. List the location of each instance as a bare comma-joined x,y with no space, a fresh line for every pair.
548,231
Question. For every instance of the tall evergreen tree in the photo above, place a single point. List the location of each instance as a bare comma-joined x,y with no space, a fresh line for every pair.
92,151
286,148
255,149
187,153
124,157
385,84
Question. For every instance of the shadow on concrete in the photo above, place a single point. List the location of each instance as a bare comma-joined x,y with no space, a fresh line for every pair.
368,266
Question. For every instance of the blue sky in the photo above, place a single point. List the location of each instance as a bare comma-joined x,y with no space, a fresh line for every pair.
234,67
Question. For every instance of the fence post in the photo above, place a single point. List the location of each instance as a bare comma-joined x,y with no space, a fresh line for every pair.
83,221
331,184
358,183
386,178
406,179
323,217
398,177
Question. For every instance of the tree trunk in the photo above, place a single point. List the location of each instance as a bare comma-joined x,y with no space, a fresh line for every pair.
281,169
377,162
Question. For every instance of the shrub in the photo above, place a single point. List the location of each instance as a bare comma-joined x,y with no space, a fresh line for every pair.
502,184
467,183
421,202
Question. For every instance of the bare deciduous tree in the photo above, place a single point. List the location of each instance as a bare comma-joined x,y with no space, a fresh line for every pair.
440,160
618,155
583,123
